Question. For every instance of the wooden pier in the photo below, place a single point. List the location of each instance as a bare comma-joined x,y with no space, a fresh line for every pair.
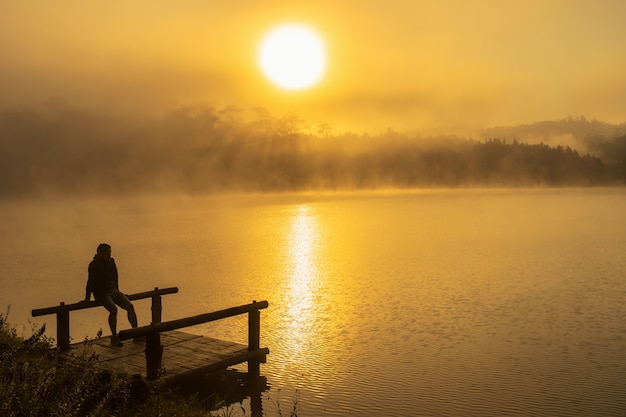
164,352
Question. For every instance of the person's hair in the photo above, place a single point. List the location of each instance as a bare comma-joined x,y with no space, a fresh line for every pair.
103,247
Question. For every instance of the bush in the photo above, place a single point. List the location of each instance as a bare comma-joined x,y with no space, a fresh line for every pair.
35,381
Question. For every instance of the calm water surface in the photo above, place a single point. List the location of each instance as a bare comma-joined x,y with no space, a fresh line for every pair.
422,303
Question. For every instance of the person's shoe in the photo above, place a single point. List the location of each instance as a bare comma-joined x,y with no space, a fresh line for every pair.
115,341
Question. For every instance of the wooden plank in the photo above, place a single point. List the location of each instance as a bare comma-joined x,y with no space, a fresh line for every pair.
184,355
191,321
177,337
82,305
243,356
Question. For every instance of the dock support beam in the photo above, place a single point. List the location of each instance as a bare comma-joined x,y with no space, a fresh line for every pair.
254,340
154,354
157,306
154,349
63,330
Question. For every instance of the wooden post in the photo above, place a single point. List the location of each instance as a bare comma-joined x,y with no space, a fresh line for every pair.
157,307
63,329
154,354
254,340
256,403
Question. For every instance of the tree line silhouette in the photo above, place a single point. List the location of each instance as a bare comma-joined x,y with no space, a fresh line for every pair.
73,151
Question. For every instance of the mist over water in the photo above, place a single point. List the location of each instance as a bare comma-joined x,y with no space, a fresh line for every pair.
61,150
435,302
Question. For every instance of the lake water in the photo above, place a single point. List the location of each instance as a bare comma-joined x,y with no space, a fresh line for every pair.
415,303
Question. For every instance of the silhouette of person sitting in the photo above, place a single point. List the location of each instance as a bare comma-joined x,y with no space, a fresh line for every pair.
103,283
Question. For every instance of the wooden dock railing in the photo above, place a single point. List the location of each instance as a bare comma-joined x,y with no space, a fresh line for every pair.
154,351
62,312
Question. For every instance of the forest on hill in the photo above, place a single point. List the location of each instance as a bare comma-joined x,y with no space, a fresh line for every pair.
200,150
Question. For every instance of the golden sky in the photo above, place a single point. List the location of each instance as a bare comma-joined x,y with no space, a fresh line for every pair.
404,64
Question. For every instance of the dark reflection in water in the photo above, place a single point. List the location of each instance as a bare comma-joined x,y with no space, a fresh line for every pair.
227,389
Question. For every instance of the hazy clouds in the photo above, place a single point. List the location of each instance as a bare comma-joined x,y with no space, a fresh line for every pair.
400,63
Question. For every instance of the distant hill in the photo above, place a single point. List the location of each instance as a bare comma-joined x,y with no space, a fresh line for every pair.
580,134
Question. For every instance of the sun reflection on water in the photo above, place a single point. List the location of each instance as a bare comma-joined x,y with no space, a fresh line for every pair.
303,248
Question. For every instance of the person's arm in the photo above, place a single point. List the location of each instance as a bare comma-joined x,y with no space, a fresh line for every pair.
117,284
88,289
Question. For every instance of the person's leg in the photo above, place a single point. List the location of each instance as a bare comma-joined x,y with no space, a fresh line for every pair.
123,301
107,302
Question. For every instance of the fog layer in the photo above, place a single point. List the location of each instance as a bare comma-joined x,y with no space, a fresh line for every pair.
64,150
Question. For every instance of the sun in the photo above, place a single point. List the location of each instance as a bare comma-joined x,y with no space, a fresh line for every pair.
293,56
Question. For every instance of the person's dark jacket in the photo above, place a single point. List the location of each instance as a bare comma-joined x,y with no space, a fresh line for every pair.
102,276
